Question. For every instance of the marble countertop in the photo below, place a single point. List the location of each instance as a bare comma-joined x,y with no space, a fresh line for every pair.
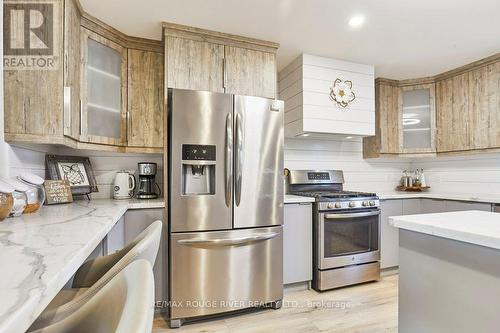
475,227
487,198
297,199
40,252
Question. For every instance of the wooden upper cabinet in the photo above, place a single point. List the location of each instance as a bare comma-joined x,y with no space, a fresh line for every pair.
145,99
104,90
468,107
250,72
417,118
72,61
453,118
387,112
194,64
199,59
484,106
33,98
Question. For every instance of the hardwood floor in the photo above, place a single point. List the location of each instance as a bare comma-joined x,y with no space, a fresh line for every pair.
371,307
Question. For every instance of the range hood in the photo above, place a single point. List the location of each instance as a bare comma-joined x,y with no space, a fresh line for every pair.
326,97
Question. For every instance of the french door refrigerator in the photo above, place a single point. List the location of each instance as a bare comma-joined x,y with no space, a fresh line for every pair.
226,203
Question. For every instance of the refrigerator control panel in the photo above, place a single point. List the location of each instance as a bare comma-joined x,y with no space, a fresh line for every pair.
198,152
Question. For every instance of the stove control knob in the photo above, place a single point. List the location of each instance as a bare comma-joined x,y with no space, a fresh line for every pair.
372,203
330,205
337,205
352,204
365,203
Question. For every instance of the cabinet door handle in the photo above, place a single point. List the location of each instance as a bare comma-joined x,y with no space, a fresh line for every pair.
129,127
81,117
224,73
67,107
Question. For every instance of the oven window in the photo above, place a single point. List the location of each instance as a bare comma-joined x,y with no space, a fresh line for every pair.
346,236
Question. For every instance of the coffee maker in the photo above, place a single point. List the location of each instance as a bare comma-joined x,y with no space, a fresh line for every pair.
148,189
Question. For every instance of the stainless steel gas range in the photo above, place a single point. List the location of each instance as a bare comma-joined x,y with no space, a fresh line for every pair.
346,229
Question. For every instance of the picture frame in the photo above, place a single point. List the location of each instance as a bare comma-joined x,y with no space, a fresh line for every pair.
76,169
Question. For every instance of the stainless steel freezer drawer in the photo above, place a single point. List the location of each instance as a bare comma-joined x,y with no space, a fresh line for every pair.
219,271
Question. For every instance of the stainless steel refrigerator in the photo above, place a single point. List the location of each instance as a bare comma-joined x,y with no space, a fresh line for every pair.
225,203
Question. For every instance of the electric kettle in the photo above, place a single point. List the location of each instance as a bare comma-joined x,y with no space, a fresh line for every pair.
124,185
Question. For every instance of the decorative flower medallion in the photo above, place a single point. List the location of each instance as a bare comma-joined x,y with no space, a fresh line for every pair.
341,92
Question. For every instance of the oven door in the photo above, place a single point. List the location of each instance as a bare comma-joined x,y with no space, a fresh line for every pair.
348,238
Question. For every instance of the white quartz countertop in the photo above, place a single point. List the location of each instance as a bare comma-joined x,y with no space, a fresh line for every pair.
475,227
488,198
40,252
297,199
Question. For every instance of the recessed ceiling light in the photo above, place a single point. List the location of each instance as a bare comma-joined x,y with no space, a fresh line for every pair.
348,137
356,21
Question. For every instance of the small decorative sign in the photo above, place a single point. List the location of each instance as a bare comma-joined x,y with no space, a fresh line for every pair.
57,192
341,92
76,169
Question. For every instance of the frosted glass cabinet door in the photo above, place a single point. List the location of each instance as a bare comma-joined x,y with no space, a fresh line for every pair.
104,95
418,119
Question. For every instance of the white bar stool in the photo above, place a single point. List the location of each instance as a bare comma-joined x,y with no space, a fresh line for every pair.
96,273
124,305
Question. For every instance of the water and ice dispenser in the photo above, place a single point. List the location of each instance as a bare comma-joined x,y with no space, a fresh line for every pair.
198,169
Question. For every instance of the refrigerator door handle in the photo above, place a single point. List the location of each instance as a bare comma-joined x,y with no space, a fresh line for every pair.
228,158
239,159
228,241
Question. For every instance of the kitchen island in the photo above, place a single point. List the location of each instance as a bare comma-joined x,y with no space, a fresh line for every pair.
40,252
449,272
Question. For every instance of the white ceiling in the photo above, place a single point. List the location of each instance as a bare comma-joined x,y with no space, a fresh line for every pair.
402,38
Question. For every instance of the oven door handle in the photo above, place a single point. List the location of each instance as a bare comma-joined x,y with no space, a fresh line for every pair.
346,216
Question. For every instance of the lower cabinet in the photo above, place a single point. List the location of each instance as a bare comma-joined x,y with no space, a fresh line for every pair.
389,236
115,239
135,222
453,206
430,206
297,243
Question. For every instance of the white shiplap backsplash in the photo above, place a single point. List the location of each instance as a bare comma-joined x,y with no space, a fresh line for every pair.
473,173
376,175
105,164
452,174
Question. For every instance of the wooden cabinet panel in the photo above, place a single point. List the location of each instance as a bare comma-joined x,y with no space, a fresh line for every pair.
72,62
145,99
387,107
297,243
194,64
468,110
484,106
33,98
453,118
250,72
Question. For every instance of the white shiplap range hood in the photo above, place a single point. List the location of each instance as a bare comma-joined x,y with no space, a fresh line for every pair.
305,86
